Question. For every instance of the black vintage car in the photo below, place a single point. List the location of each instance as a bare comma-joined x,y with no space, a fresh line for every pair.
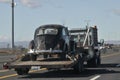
51,39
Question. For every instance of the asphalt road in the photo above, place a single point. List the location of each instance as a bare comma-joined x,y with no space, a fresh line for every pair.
109,70
5,58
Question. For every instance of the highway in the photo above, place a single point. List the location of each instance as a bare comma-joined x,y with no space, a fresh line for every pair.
108,70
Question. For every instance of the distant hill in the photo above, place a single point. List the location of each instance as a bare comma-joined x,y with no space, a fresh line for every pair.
4,44
25,44
22,43
112,42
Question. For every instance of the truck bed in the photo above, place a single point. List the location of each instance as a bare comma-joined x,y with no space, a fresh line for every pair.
46,64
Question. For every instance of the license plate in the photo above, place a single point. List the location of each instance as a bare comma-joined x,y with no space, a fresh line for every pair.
35,67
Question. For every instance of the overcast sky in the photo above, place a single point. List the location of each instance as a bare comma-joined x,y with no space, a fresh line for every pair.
30,14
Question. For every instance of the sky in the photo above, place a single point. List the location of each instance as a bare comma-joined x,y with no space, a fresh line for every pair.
30,14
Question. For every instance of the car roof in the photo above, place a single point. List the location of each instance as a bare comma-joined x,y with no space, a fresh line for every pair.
52,26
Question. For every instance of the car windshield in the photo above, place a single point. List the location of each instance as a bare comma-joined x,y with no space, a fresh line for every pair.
50,31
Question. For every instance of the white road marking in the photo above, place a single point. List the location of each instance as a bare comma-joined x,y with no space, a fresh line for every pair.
96,77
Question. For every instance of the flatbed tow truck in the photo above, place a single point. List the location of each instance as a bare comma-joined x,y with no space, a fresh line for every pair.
56,47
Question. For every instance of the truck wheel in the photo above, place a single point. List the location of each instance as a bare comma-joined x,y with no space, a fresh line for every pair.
79,67
22,71
98,61
99,58
94,62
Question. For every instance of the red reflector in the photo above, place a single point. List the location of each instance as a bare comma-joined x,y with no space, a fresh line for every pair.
5,66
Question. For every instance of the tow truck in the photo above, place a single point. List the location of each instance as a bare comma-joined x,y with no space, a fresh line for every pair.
56,47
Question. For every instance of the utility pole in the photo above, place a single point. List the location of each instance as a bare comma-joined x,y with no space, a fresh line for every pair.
12,5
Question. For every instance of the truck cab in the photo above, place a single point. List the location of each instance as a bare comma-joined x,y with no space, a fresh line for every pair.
87,43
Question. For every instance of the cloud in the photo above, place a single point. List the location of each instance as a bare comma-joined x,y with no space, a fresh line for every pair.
5,1
30,3
33,3
116,12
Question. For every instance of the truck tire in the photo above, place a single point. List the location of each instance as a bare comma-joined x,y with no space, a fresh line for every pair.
98,61
22,71
79,66
94,62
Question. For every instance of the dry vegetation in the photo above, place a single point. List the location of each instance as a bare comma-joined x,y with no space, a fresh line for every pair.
10,51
